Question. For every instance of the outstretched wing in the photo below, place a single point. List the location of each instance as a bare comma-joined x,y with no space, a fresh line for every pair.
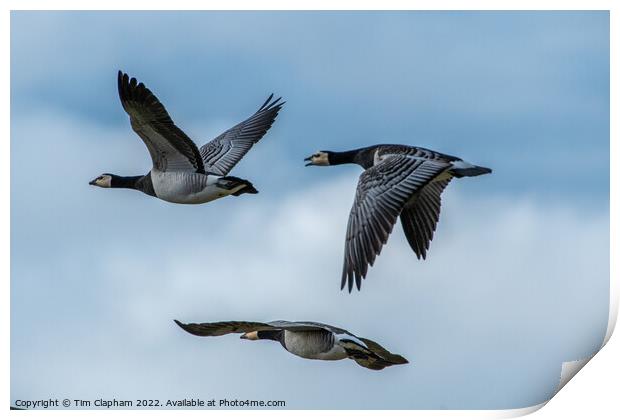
212,329
170,148
221,154
382,192
420,216
209,329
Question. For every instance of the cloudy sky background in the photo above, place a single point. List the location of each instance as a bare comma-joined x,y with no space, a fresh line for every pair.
518,273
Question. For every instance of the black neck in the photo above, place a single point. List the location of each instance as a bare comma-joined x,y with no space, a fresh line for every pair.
340,158
276,335
125,181
362,157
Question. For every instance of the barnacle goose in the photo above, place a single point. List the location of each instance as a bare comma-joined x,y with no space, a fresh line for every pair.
183,173
398,180
310,340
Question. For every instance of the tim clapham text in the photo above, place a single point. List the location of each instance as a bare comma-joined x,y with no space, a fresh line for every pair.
146,403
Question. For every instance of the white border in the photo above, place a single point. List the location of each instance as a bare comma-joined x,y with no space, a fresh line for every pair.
607,408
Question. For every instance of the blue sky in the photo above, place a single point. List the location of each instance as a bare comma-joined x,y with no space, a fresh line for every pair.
517,279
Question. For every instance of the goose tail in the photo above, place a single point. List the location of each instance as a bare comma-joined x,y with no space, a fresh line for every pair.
461,169
373,356
232,182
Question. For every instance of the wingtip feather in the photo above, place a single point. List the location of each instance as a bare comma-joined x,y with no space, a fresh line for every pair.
180,324
270,104
265,103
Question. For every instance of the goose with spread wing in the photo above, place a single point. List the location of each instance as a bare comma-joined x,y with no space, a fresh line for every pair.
182,172
398,180
309,340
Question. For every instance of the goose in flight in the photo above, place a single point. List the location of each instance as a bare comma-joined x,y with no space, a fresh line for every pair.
310,340
398,180
183,173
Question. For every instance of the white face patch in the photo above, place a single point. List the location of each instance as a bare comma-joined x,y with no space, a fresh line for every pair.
104,181
320,159
250,335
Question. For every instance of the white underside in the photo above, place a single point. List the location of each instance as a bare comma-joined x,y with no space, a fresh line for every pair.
336,353
188,188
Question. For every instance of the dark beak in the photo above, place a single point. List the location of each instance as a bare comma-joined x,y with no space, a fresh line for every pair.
92,182
243,336
309,160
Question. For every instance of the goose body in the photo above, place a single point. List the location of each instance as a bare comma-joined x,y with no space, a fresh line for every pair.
321,344
193,188
183,173
398,181
309,340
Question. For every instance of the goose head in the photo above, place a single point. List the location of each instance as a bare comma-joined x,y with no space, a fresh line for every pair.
103,181
320,158
253,335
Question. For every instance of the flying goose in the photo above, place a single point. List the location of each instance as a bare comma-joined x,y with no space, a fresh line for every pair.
183,173
398,180
310,340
